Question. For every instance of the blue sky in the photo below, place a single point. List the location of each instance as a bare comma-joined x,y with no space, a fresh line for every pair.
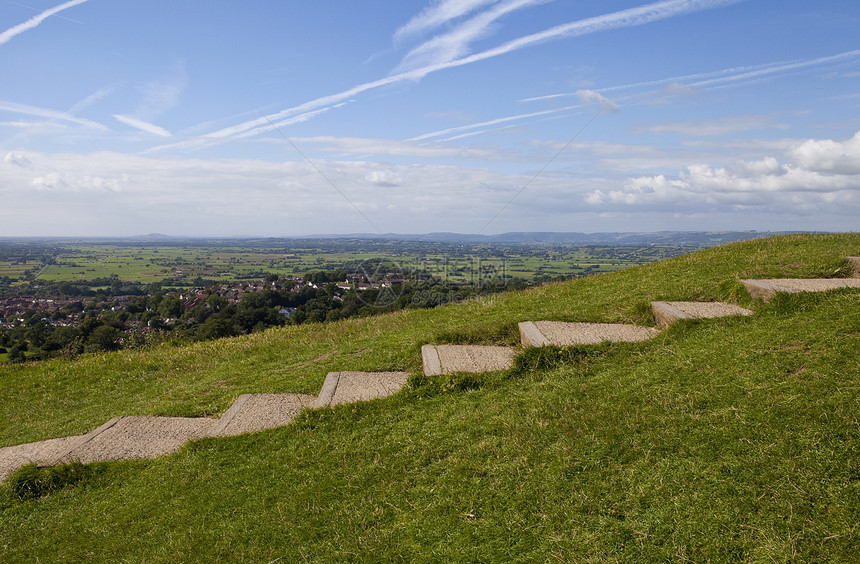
283,117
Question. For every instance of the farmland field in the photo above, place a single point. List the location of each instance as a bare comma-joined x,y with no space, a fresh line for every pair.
190,263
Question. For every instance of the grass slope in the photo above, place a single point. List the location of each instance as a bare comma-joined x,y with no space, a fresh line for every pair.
726,440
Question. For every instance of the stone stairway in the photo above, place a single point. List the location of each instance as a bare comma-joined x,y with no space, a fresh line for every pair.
541,333
151,436
766,289
445,359
667,313
350,387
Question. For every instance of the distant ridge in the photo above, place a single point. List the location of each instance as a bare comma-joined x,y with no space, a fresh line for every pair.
699,239
153,237
686,238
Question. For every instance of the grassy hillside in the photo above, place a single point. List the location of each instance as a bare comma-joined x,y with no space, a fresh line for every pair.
725,440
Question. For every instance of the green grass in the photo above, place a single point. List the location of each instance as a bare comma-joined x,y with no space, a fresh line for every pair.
723,440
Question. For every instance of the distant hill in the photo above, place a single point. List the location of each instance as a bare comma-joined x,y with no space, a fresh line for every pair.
700,239
686,238
153,237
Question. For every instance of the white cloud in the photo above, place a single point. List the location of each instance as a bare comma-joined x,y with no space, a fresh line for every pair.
33,22
50,181
114,194
385,178
142,125
598,100
815,175
17,158
828,156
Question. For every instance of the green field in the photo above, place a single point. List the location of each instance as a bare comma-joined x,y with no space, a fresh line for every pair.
147,263
729,440
16,270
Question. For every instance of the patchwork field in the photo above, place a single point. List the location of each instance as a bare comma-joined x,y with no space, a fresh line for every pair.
185,264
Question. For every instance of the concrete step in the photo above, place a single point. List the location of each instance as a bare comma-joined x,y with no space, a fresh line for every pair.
348,387
136,436
41,452
257,412
766,289
445,359
670,312
541,333
149,436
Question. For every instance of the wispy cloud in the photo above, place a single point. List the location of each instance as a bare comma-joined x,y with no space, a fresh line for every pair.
439,13
162,93
711,127
625,18
90,100
757,73
456,43
690,82
142,125
273,126
10,33
218,137
158,96
632,17
393,148
490,123
31,124
46,113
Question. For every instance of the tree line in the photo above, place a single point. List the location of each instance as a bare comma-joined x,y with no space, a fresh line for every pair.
121,315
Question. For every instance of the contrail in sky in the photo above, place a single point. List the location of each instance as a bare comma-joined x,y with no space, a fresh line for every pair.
632,17
7,35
